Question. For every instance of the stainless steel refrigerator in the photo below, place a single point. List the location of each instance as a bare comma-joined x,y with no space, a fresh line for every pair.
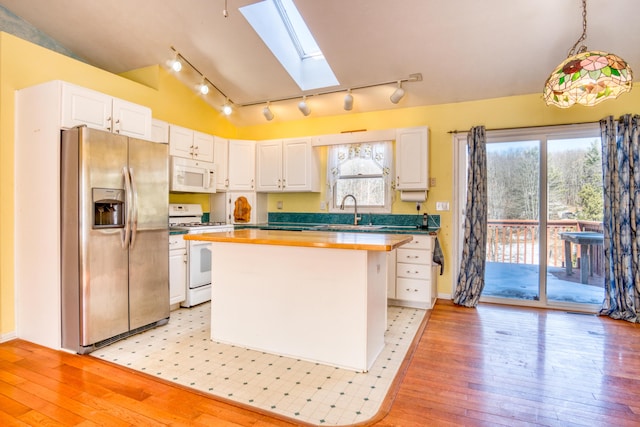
115,237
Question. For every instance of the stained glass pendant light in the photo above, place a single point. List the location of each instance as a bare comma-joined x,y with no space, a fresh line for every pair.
587,77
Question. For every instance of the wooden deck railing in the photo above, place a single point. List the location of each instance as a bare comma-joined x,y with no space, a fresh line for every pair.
517,242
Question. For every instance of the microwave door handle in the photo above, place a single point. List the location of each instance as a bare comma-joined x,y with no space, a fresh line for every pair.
127,188
134,208
207,184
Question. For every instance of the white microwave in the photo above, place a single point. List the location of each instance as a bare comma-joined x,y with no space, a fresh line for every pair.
192,176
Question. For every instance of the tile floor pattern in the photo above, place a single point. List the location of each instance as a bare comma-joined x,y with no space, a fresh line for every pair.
182,352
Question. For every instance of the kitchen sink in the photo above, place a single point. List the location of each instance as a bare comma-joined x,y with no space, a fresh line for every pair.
335,227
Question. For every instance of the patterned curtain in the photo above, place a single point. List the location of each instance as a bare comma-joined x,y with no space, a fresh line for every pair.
471,275
621,181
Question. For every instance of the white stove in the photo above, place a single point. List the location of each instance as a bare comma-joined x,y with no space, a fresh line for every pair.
188,217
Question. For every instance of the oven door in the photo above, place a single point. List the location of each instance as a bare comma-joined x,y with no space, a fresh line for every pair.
199,260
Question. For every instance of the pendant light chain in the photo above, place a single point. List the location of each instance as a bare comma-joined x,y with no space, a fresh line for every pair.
583,37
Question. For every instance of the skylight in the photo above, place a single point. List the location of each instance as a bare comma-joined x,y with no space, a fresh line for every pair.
283,30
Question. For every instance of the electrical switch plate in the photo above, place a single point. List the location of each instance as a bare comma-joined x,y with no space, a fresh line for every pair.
279,204
442,206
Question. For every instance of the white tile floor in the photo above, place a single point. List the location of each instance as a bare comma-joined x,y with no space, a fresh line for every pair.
182,352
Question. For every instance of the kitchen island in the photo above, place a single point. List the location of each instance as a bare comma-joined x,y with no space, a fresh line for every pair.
318,296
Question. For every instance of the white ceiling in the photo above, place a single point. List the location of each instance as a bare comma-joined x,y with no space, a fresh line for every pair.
464,49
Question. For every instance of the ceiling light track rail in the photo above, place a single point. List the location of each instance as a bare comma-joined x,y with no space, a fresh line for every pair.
417,77
179,56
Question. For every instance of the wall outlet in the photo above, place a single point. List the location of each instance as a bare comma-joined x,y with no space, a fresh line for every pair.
432,182
442,206
279,204
323,205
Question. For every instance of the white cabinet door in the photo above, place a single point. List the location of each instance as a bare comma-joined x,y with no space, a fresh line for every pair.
131,119
180,142
291,165
221,159
300,166
412,159
81,106
241,166
159,131
203,146
190,144
269,166
177,270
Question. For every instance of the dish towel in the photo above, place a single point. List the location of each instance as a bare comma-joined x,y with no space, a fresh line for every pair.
438,257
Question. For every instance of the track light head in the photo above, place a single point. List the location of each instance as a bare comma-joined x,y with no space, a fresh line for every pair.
348,101
268,114
176,65
203,88
303,107
226,108
397,94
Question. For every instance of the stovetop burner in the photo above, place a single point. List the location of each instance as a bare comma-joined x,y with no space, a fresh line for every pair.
198,224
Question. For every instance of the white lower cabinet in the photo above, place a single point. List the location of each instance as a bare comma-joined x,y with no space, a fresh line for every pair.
416,275
177,269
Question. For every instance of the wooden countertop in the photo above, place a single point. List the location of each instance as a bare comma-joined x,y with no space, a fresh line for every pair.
315,239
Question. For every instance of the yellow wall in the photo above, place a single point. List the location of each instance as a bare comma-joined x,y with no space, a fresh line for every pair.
23,64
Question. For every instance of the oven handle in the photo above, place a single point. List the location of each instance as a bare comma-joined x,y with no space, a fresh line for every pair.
127,226
134,209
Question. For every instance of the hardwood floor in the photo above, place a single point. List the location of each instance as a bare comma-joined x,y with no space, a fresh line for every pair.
495,365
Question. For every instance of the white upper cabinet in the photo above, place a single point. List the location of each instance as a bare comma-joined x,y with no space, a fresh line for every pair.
190,144
241,166
221,159
235,164
269,166
159,131
82,106
289,165
412,159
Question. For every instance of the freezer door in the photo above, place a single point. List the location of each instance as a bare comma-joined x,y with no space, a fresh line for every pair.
95,262
149,249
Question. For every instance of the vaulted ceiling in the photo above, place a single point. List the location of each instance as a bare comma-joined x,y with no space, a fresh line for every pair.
464,49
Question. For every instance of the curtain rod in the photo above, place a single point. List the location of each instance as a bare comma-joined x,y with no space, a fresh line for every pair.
527,127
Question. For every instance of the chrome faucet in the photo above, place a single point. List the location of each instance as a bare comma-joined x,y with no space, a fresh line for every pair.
356,218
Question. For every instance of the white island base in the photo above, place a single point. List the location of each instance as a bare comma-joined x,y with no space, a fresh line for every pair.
317,304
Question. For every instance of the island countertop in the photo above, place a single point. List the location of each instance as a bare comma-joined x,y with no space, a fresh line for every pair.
315,239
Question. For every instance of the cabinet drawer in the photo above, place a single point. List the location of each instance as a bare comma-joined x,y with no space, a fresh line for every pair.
414,256
177,242
413,290
420,241
413,271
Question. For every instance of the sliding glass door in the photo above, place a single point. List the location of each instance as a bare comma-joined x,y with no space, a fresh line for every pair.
544,244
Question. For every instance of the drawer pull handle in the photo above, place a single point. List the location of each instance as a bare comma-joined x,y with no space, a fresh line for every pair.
412,256
414,272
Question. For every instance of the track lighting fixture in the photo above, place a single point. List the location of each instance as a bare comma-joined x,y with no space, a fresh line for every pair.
348,101
397,95
268,114
303,107
176,65
226,108
203,87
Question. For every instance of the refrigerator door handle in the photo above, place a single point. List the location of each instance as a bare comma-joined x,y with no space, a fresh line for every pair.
127,221
134,209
